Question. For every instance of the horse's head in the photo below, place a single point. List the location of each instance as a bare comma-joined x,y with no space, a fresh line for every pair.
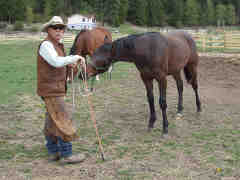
100,60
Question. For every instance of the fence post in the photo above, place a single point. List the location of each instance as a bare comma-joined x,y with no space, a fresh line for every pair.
203,42
225,41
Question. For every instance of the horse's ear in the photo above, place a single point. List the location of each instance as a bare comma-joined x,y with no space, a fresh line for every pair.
113,50
106,40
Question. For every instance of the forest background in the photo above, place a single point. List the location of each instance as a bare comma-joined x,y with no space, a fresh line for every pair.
176,13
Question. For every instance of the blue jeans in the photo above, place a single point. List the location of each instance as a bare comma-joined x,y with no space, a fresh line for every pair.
62,147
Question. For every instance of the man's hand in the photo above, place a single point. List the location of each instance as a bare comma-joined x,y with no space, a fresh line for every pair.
82,61
74,65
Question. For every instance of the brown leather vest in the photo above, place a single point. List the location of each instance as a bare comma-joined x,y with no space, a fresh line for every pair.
51,81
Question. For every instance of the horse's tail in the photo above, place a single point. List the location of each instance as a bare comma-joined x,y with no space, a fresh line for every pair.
189,69
188,74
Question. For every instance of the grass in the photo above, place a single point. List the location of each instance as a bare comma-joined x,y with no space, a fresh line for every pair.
17,70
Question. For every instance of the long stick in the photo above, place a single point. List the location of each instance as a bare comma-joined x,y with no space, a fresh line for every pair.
73,92
93,117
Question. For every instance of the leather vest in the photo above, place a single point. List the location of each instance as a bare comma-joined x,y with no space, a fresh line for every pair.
51,81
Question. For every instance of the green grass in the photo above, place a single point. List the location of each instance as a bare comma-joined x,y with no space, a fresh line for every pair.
17,70
19,152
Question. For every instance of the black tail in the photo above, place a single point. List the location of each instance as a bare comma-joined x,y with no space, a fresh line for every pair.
188,74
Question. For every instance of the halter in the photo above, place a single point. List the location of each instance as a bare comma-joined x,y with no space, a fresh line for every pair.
100,68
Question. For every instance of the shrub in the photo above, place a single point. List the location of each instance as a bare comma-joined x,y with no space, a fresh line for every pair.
3,25
18,26
38,18
179,24
34,29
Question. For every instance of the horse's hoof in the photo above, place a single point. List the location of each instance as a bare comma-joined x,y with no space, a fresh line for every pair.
149,129
179,116
165,136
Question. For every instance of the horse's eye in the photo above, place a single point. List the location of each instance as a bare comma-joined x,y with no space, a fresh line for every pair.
105,64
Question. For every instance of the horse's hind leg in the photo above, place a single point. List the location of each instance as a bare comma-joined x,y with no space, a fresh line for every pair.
162,84
179,83
149,87
110,72
191,75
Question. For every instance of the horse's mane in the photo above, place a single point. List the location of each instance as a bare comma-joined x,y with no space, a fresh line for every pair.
73,48
128,41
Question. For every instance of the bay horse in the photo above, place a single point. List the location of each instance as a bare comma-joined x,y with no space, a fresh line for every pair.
87,41
156,56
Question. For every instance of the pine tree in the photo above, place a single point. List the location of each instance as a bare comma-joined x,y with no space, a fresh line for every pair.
123,11
210,13
7,10
29,15
141,14
177,13
113,12
230,16
191,15
155,13
47,10
132,9
101,10
220,14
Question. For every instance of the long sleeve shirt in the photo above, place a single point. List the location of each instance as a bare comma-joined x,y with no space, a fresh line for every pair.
48,52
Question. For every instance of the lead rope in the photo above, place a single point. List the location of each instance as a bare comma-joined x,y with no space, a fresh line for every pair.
73,93
92,112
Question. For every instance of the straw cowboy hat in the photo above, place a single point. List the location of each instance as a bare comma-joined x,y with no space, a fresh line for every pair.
56,20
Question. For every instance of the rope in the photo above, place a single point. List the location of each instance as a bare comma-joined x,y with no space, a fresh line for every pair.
92,112
73,92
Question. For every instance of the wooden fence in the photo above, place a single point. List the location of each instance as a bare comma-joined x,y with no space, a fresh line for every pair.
226,41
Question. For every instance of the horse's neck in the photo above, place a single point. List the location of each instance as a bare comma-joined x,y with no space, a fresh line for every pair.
120,54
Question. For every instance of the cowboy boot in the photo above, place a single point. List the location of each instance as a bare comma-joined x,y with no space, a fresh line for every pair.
73,159
54,157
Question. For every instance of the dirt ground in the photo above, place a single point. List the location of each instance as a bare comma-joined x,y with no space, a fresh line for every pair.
200,146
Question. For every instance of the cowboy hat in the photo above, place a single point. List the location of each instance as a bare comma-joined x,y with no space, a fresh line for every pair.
56,20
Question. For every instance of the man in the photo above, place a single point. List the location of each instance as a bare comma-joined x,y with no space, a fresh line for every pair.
52,67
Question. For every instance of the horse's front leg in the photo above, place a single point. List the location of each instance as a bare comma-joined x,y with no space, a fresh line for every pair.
162,83
149,87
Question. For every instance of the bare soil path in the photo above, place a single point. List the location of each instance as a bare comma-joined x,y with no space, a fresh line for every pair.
200,146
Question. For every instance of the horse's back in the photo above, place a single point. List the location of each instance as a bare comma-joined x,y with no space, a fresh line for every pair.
98,35
191,44
182,50
102,32
182,37
152,42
